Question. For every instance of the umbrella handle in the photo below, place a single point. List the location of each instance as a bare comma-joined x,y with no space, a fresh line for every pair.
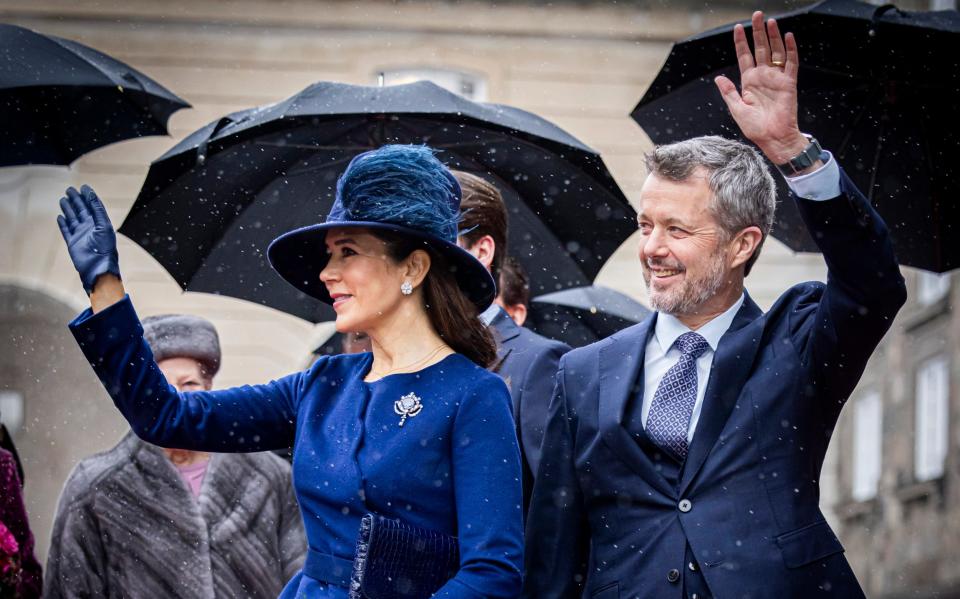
882,10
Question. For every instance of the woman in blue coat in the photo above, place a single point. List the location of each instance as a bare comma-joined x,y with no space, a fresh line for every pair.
416,430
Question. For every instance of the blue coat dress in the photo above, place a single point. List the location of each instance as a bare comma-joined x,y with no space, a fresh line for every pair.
453,467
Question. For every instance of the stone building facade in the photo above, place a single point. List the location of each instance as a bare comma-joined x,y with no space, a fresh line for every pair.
896,450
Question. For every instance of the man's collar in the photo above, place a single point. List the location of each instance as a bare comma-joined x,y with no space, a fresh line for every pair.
490,313
668,327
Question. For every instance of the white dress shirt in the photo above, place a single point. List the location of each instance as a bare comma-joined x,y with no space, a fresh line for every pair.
819,185
661,355
490,313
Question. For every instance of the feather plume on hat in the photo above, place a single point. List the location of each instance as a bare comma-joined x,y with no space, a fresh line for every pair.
401,184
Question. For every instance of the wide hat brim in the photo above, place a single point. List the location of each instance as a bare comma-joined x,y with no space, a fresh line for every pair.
300,255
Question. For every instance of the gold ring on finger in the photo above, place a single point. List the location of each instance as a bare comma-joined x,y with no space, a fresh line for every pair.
778,63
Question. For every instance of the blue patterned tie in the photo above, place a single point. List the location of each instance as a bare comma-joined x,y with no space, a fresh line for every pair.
672,406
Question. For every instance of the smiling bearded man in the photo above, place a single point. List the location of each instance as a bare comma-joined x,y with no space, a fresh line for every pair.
704,201
682,456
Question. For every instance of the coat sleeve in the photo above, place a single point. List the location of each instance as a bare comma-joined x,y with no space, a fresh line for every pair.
241,419
557,539
486,476
837,334
535,393
76,561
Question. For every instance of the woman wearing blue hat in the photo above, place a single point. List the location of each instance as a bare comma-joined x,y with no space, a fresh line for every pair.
417,430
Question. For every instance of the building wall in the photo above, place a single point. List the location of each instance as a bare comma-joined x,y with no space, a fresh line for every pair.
582,66
904,541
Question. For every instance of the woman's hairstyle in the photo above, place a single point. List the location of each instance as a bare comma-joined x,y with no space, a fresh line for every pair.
452,314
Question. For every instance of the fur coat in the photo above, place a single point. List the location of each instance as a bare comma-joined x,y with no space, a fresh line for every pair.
128,526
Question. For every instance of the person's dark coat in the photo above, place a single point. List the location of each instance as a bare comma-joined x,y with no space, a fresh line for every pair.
13,515
6,442
747,498
528,363
128,526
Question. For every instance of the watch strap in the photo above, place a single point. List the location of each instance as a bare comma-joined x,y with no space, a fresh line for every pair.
804,159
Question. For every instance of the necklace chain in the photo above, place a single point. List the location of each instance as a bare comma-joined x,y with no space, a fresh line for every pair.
410,365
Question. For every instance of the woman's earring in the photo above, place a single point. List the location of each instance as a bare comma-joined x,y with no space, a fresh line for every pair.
406,288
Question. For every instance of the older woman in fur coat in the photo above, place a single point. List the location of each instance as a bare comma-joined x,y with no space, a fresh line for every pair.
144,521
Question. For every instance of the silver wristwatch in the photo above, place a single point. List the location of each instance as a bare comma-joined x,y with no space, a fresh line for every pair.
804,159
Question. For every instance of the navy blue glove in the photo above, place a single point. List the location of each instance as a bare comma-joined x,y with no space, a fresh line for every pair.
91,240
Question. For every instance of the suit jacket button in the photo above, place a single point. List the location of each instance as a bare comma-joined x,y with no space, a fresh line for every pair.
685,505
673,575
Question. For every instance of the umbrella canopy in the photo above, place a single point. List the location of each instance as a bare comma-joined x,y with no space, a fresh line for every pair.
60,99
210,206
583,315
877,88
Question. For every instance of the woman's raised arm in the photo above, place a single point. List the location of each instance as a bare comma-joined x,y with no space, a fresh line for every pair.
248,418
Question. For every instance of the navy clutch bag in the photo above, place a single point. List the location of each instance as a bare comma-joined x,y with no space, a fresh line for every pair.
398,561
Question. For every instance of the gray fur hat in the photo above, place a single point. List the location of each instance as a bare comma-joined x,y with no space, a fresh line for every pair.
183,336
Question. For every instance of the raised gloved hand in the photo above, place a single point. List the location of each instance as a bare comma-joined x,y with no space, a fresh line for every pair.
91,240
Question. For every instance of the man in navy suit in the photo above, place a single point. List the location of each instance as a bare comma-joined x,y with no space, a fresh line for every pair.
525,360
682,455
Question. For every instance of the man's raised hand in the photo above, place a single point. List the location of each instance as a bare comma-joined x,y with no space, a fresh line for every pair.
765,108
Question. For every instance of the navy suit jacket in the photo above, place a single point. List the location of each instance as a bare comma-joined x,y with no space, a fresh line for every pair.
528,363
747,502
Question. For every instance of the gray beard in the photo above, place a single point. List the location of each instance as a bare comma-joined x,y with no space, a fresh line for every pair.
692,295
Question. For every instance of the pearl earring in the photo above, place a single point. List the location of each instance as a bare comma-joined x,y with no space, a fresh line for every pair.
406,288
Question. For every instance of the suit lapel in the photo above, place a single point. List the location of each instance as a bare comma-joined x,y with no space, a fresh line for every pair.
731,366
621,362
504,329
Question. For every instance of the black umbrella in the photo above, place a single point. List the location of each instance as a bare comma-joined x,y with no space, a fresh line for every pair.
583,315
879,87
211,205
60,99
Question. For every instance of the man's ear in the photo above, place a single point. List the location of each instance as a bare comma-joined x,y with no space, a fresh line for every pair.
483,250
518,312
744,245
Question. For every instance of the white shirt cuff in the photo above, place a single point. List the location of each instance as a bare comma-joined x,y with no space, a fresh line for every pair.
821,184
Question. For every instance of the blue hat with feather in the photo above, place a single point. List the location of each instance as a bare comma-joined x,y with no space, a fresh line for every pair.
400,188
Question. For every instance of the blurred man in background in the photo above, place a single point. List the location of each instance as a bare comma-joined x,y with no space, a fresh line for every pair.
526,360
514,292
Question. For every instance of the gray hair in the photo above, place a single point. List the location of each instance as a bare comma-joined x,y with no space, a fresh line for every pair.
744,193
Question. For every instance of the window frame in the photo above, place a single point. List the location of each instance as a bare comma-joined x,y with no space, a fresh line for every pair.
932,417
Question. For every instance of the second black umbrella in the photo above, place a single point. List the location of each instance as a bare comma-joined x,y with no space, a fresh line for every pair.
211,205
583,315
879,87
